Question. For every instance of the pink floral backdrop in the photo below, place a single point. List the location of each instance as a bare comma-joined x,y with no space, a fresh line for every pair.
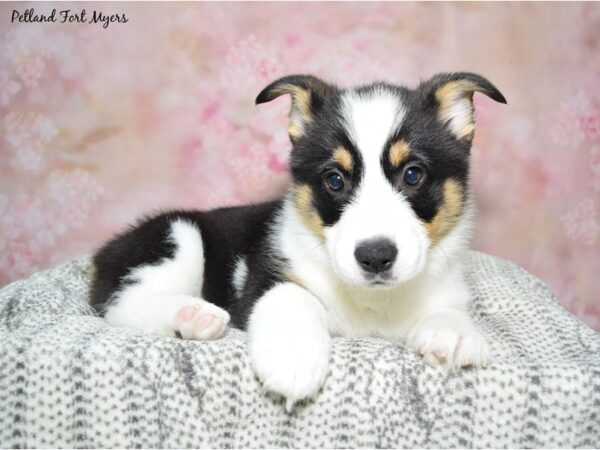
100,125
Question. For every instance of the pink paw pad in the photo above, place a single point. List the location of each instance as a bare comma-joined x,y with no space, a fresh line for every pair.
205,320
202,322
187,313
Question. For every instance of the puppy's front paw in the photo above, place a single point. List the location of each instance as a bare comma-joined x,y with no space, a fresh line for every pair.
450,339
293,365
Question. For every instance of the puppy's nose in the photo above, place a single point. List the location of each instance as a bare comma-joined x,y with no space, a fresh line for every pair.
376,255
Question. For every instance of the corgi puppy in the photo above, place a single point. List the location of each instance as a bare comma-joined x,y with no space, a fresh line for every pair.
368,240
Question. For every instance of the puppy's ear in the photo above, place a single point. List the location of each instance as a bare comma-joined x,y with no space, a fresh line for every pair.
308,94
453,96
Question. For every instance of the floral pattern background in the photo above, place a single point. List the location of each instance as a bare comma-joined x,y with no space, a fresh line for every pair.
102,125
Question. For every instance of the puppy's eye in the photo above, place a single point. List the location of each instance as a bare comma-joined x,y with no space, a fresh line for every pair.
413,175
334,181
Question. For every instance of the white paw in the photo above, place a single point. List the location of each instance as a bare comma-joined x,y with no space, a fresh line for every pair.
450,339
292,365
201,321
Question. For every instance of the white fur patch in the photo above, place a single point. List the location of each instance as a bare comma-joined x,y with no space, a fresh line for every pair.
183,273
370,118
460,112
289,342
158,292
240,273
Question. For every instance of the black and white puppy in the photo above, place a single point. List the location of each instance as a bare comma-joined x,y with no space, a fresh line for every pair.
368,240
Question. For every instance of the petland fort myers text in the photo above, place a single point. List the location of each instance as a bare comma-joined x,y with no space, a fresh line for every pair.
68,16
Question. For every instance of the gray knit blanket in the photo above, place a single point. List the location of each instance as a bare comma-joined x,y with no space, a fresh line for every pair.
67,379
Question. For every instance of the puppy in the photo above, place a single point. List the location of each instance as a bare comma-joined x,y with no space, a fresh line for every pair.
368,241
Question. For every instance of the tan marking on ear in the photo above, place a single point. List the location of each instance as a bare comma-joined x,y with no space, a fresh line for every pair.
303,198
294,131
468,131
344,158
456,107
449,212
300,114
398,152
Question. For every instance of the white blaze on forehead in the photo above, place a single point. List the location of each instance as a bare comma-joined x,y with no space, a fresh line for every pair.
369,119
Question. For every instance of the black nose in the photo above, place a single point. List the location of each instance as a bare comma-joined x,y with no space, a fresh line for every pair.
376,255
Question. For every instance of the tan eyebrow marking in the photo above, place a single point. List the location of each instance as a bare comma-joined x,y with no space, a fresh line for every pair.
344,158
398,152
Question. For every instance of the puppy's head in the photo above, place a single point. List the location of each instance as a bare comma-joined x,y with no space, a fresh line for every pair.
380,172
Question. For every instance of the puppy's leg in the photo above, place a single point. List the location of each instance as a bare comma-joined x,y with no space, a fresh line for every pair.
168,315
289,342
164,297
444,330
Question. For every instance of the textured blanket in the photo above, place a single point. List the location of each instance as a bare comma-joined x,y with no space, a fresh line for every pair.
67,379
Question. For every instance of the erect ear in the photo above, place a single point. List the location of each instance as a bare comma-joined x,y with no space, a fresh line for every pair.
453,93
308,94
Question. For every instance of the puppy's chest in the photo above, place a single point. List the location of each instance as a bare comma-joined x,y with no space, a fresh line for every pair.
357,312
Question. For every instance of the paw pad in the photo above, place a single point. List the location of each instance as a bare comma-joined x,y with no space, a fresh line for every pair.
202,322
